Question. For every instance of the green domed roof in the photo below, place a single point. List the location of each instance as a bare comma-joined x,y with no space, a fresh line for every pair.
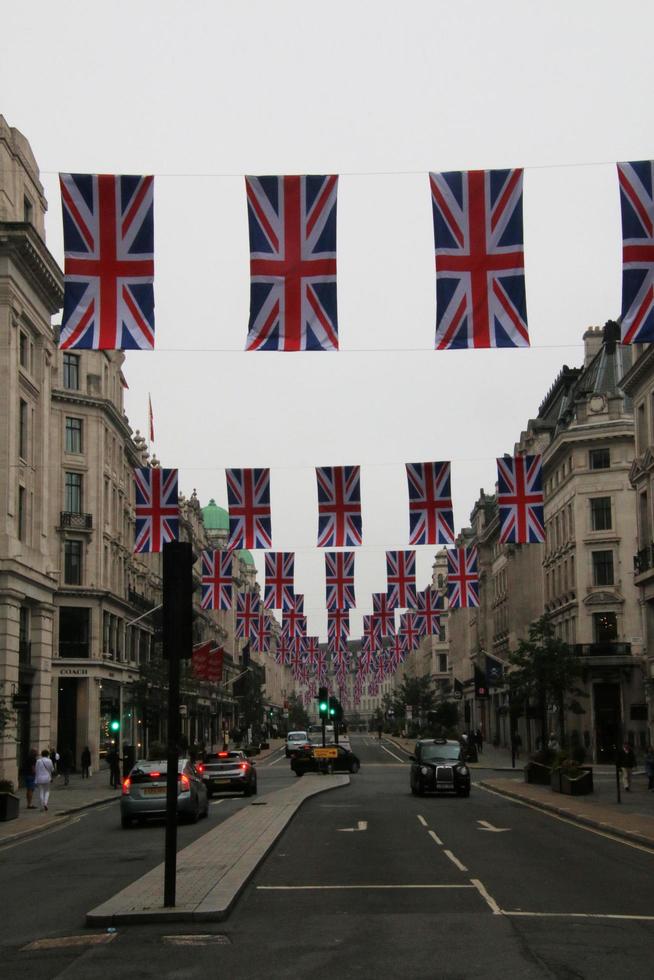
246,557
215,518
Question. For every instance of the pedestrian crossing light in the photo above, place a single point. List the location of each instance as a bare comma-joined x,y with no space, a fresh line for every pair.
323,703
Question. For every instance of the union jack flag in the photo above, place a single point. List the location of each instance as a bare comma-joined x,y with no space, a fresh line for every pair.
339,507
371,642
462,578
312,648
294,619
108,262
216,580
339,578
480,278
397,651
401,578
248,493
410,630
520,499
321,665
247,615
156,508
340,659
380,669
637,206
428,613
279,579
283,648
263,631
431,520
385,614
292,223
338,629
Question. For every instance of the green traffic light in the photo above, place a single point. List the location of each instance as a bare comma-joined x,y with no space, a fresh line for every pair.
114,726
323,706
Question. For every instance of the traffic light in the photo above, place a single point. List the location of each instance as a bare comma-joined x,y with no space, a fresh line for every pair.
323,702
333,702
114,726
178,599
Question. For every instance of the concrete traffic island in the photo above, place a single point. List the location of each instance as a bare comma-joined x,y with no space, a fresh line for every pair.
212,871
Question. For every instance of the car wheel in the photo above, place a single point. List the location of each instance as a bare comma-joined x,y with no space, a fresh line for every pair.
125,822
354,767
195,816
414,791
420,789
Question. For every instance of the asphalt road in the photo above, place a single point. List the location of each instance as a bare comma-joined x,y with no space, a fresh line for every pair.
367,881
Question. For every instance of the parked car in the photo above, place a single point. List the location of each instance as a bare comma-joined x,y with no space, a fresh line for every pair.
305,760
439,766
293,741
228,770
144,792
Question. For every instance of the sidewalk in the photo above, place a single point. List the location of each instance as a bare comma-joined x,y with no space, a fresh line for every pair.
80,794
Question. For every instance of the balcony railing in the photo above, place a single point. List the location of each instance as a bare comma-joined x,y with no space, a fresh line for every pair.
140,601
77,522
603,649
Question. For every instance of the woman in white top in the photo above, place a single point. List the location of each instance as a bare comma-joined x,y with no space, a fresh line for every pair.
43,772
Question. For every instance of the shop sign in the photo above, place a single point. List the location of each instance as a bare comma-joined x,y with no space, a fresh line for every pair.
74,672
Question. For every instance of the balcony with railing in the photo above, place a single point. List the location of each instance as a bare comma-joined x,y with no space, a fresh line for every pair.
614,649
140,601
75,522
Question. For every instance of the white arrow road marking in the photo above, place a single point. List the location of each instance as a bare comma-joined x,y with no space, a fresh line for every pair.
485,825
361,825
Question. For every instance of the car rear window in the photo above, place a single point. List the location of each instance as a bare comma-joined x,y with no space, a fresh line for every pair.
297,736
224,757
440,753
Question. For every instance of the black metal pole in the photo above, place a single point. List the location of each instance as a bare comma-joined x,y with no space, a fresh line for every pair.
170,868
618,749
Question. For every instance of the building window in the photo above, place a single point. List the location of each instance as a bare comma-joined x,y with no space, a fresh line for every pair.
600,513
73,435
641,428
73,631
599,459
73,562
73,496
71,372
442,663
22,513
441,634
602,567
28,210
23,417
25,351
605,627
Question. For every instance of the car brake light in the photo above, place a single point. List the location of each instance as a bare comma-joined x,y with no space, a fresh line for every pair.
155,775
244,765
126,785
199,767
223,755
186,782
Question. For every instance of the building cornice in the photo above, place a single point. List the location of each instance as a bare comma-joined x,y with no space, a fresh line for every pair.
639,371
26,249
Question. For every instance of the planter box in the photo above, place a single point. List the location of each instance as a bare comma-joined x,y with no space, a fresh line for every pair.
536,772
580,786
9,805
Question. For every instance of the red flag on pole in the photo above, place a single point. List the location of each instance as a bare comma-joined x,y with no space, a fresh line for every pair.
215,665
150,419
200,660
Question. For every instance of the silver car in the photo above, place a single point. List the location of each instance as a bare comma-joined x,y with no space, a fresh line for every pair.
144,792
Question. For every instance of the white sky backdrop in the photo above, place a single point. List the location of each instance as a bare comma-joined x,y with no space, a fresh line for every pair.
200,93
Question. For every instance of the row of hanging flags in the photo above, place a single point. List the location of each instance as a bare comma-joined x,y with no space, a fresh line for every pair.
108,224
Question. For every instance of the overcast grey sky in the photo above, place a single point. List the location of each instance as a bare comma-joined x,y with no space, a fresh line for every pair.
200,93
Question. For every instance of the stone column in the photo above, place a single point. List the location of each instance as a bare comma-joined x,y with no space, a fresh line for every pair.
9,654
41,635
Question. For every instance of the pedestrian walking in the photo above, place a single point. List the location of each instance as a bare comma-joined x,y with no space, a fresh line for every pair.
516,744
113,758
66,765
29,777
627,763
379,732
479,740
85,761
43,776
649,767
553,743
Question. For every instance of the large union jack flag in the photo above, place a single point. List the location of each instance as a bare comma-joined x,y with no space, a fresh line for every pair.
279,589
338,629
520,499
247,616
410,630
108,262
428,613
293,618
397,651
283,648
156,508
339,579
263,631
401,578
637,206
292,223
431,520
339,506
248,493
462,578
216,580
385,614
312,649
480,279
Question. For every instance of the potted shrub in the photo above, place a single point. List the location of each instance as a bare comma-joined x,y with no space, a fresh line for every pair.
9,802
539,768
571,778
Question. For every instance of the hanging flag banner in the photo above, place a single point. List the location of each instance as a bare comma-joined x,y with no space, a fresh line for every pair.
216,580
248,495
339,507
156,508
262,633
293,618
494,671
520,499
384,613
480,279
279,588
214,672
200,660
431,519
462,578
247,615
339,579
338,630
108,262
428,613
401,579
636,182
292,222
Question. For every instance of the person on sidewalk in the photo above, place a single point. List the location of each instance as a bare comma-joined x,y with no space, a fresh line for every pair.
29,777
516,744
113,758
43,776
85,761
627,763
649,767
479,740
66,765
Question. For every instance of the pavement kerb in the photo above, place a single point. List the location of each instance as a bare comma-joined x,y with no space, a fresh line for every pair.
578,818
57,820
216,902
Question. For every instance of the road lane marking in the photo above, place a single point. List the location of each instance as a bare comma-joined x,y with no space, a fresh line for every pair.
328,888
275,761
578,915
361,825
37,832
490,901
95,939
455,860
572,823
436,838
485,825
392,753
216,802
422,820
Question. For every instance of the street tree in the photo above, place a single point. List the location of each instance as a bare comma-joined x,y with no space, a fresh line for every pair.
544,672
298,716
